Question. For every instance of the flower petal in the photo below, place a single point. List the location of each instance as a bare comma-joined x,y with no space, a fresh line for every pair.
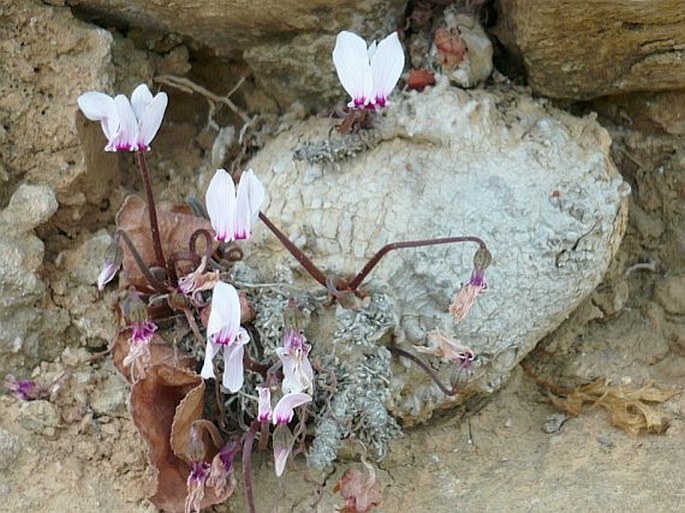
224,319
351,60
387,64
140,99
265,412
150,120
220,202
283,412
125,138
207,371
283,442
233,367
249,199
100,107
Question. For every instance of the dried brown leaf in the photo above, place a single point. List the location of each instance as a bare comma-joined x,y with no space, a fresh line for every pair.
157,404
631,409
176,225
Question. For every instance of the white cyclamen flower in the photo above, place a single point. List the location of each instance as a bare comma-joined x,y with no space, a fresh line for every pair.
233,213
368,74
224,331
128,125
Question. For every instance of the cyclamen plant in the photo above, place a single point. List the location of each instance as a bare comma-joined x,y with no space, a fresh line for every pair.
368,75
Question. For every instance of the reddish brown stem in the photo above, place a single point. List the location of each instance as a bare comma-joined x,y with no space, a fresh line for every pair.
295,251
247,464
433,375
154,283
154,225
357,280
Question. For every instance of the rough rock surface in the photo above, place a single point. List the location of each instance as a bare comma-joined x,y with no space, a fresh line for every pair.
535,183
583,50
27,330
288,44
42,70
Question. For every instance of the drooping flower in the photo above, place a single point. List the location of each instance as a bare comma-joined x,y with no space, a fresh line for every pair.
368,74
285,407
444,347
224,331
466,296
283,439
233,213
129,125
298,375
221,475
199,471
142,332
198,280
113,259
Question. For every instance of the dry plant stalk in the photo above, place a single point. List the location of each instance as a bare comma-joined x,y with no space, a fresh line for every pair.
631,409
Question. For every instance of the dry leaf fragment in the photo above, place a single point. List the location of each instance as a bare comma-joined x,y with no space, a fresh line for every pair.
630,409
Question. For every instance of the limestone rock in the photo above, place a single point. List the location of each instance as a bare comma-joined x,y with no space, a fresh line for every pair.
535,183
48,59
583,50
23,320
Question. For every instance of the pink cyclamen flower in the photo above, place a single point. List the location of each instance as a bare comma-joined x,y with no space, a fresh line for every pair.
129,125
368,74
224,331
298,375
283,439
285,407
233,213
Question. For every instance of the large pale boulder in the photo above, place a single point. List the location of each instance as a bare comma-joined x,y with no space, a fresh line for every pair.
535,183
582,50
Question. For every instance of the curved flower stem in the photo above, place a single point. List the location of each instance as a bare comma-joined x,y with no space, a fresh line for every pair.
451,392
210,428
184,256
357,280
247,464
154,282
314,271
154,225
192,244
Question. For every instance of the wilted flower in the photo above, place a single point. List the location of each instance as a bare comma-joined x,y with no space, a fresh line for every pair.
444,347
198,280
142,332
466,296
233,213
368,74
199,472
221,474
128,125
224,331
298,374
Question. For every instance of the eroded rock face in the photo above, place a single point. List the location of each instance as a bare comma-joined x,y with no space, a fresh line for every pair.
583,50
48,59
28,331
535,183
